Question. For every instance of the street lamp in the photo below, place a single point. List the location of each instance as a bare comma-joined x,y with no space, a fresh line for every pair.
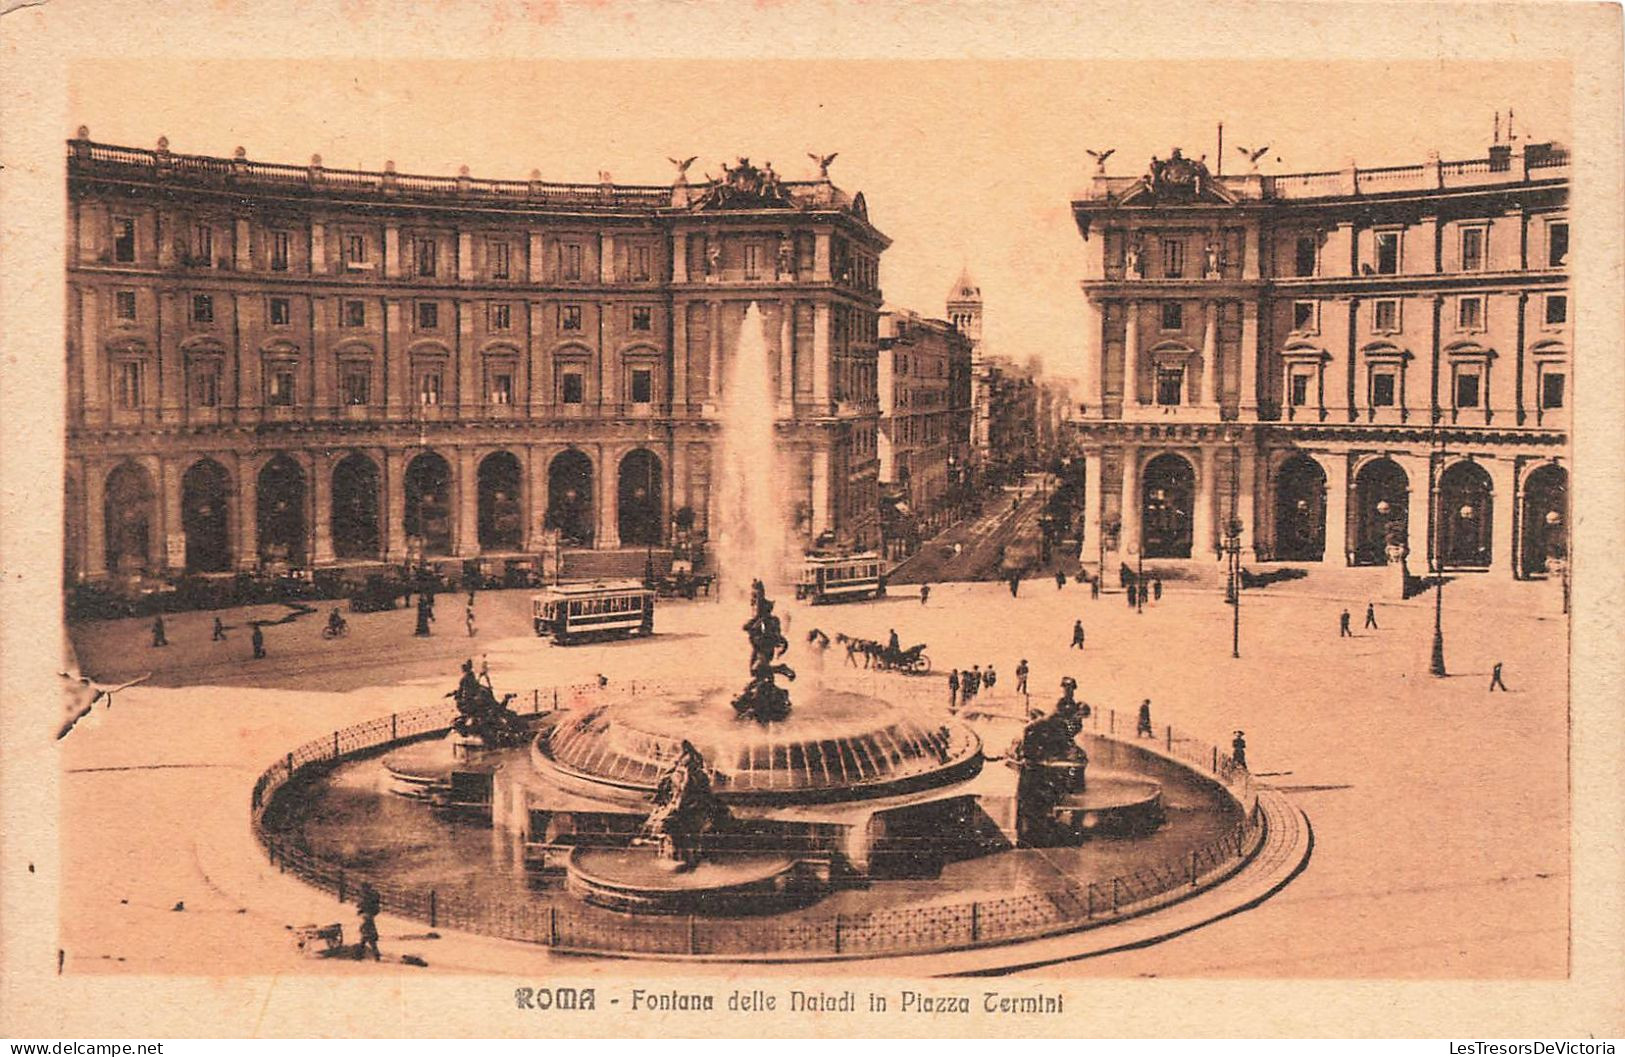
1232,548
1436,664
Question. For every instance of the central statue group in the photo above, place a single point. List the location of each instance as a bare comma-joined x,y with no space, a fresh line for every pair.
763,699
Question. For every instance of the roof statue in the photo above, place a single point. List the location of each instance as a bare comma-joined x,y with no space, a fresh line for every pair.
1100,157
745,186
823,162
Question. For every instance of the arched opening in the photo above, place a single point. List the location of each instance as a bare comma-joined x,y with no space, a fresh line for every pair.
355,508
502,522
638,499
130,507
1465,507
1382,494
282,512
1167,486
569,497
205,503
1545,519
428,505
1300,510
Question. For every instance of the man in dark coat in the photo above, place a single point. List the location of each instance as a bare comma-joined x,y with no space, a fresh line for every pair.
1143,727
368,904
219,631
1371,616
258,641
1238,750
158,637
1343,626
1077,635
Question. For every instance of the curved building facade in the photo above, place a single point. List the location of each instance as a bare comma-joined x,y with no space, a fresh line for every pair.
1353,367
294,365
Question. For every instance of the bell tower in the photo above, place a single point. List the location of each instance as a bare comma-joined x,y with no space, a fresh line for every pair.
965,311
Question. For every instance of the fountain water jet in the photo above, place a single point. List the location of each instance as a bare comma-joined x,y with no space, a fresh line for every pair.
751,524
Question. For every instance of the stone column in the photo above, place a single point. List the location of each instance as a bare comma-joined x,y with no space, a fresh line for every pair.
533,484
1336,466
170,524
821,257
469,397
1094,502
248,525
605,481
321,495
323,369
1131,354
466,490
1202,535
542,386
713,380
1246,500
679,257
1094,358
1128,536
171,369
787,371
821,356
398,379
90,352
606,258
678,398
394,526
820,491
1210,354
1505,502
1248,402
242,247
318,249
535,270
94,495
392,251
465,256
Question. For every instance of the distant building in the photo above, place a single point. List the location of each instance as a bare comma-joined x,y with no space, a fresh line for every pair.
925,420
1358,366
289,364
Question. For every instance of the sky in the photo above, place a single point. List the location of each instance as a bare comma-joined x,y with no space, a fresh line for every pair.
963,163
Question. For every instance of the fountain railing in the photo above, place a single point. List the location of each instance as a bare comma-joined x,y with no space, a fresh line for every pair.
952,924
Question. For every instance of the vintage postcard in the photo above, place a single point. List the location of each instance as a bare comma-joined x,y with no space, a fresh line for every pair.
833,519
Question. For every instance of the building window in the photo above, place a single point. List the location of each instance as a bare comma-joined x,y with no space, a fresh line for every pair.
123,239
1387,253
640,263
281,312
355,251
501,316
428,315
1298,389
1385,316
1170,381
202,308
279,251
643,384
357,377
753,261
124,305
1551,390
1384,388
129,384
206,385
643,318
1303,258
1557,244
1467,387
354,314
1472,249
570,260
571,389
502,387
1470,313
1173,315
1557,309
1304,316
500,254
1173,258
426,257
570,317
203,245
429,388
281,394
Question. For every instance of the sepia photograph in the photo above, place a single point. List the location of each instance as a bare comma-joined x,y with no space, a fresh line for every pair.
1057,518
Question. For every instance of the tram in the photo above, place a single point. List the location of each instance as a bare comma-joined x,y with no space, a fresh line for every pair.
840,578
573,612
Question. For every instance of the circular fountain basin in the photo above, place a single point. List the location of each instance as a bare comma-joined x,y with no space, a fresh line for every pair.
639,879
835,745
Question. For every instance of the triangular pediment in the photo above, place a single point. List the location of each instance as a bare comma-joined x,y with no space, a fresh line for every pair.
1177,181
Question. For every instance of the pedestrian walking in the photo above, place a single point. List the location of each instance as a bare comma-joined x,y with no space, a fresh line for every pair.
1021,677
1060,579
989,677
1495,680
1077,635
473,587
1371,616
1238,750
925,593
1156,589
971,684
1343,626
158,637
219,631
953,689
468,618
258,641
425,616
1015,584
1128,593
1143,726
1094,589
368,904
